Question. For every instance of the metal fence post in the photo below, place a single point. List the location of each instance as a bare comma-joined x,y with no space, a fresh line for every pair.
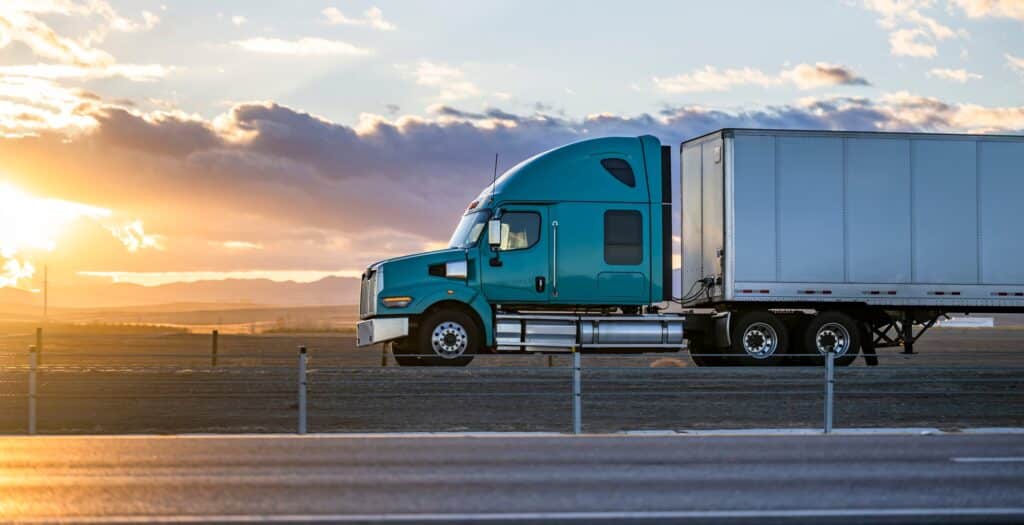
213,354
32,365
302,390
830,381
577,394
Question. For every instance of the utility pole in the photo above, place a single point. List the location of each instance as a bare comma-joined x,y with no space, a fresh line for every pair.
46,293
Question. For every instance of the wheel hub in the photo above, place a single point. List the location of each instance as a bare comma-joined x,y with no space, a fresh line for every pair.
449,340
760,340
834,336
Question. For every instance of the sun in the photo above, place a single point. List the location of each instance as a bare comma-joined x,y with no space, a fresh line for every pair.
35,223
30,224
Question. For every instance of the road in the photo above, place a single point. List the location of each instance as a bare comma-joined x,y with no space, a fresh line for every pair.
503,479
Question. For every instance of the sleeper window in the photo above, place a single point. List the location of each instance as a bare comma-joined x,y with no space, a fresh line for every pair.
623,237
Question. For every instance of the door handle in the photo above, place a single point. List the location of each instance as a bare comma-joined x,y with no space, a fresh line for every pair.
554,258
539,283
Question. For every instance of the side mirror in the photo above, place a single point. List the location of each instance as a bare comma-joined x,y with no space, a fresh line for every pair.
494,233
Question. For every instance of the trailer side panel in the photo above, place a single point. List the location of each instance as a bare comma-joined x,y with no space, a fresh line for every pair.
914,220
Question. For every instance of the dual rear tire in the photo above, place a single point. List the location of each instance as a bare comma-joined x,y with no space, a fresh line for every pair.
762,338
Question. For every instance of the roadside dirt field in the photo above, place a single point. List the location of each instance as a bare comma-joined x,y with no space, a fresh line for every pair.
165,383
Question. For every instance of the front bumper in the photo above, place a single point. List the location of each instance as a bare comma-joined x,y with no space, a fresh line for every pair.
381,329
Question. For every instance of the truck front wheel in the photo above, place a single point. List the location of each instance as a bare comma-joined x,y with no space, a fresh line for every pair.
445,337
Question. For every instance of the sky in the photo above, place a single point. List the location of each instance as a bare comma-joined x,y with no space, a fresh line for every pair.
166,141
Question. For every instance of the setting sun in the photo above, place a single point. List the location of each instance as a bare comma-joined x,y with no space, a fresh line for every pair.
33,225
32,222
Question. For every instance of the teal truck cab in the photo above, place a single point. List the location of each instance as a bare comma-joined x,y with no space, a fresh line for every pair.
570,248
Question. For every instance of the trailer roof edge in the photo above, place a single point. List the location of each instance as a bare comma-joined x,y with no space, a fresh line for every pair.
892,134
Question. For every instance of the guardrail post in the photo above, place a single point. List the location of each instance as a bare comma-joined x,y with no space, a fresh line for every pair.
213,354
830,381
32,365
577,394
302,390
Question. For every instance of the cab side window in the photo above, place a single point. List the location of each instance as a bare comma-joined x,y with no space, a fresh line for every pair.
623,237
519,230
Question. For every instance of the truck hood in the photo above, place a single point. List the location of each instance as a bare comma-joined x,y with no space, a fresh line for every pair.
413,269
434,256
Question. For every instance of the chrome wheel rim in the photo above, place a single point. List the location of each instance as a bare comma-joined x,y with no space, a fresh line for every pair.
760,340
449,340
833,335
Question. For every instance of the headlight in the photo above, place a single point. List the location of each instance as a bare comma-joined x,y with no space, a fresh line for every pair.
397,302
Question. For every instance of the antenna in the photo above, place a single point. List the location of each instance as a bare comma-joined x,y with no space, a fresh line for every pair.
494,181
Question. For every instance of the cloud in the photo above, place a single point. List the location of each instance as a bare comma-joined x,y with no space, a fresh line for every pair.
711,78
20,22
450,80
954,75
928,113
1015,63
372,17
821,74
134,236
308,46
33,97
803,76
992,8
133,72
326,196
29,106
911,32
907,42
242,245
239,20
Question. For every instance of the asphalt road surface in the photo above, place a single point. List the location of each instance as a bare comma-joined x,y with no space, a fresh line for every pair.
502,479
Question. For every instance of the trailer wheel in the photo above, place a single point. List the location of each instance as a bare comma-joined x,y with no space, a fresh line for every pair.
447,337
834,329
758,339
699,353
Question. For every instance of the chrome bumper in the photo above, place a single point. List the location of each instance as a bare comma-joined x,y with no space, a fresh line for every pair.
381,329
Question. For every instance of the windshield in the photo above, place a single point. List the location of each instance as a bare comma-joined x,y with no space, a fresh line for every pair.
469,229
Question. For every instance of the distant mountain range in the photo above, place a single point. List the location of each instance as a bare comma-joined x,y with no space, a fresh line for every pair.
241,292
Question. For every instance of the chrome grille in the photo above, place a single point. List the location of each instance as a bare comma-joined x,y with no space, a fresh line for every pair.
368,294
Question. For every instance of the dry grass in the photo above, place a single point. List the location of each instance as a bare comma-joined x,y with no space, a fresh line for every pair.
668,362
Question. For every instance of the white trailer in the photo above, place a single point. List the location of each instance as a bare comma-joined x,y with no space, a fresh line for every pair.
802,240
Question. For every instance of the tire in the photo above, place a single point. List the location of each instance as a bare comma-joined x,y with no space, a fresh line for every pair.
404,354
447,338
698,350
798,353
758,339
832,328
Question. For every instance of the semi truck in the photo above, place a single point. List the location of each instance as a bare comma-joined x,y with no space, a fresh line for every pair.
794,244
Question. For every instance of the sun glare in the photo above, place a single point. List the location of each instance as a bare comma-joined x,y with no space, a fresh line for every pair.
33,223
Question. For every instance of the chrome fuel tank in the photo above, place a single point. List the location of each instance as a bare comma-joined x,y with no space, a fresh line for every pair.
540,332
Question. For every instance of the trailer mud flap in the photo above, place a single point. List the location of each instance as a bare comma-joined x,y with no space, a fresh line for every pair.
721,321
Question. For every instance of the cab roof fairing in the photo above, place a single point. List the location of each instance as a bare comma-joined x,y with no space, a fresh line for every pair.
573,173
